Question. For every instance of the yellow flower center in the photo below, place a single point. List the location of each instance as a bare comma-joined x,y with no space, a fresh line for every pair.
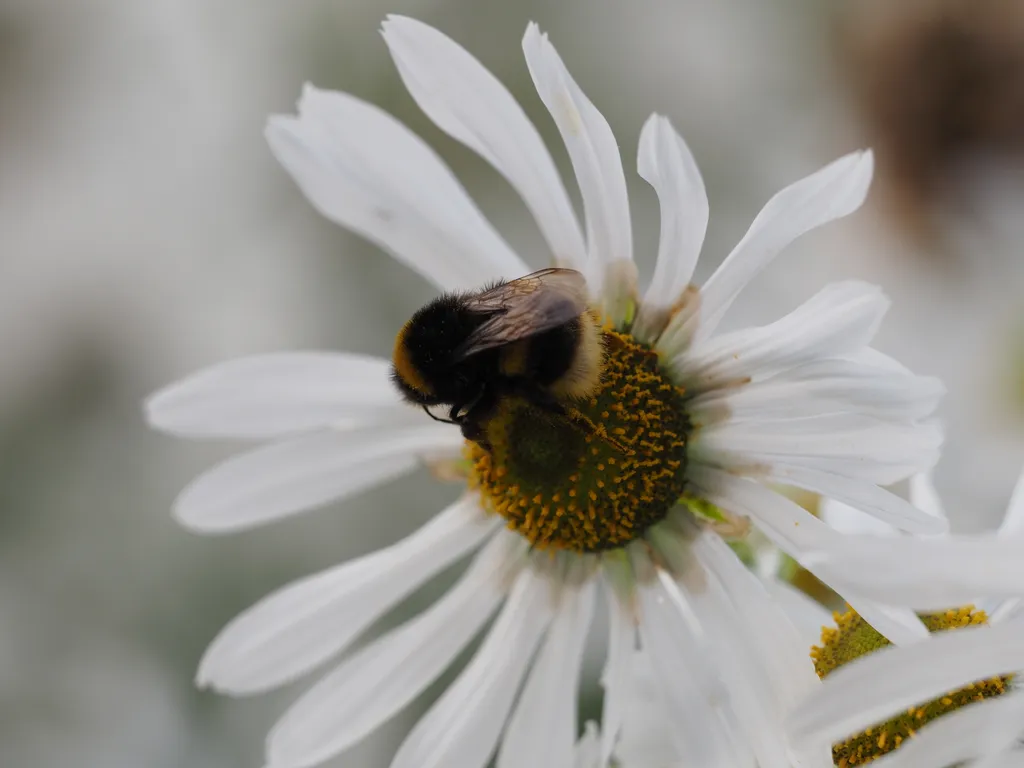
852,638
598,478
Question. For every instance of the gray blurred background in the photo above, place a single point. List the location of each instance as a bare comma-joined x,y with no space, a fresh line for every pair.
148,232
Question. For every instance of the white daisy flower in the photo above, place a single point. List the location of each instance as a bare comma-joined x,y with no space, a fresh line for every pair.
890,686
951,693
708,419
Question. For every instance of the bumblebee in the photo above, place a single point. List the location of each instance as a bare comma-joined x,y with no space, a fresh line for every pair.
532,338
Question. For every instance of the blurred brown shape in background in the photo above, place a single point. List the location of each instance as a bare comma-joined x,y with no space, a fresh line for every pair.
939,85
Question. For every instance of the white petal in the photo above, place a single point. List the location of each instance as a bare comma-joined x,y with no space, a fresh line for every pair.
1012,757
778,647
667,164
924,573
807,615
542,730
980,728
840,318
757,705
615,678
372,685
619,295
835,191
296,628
875,359
363,169
872,688
1013,520
285,478
842,444
901,626
462,727
592,150
268,396
821,386
648,736
691,694
1000,611
790,527
847,519
471,105
877,502
925,497
588,748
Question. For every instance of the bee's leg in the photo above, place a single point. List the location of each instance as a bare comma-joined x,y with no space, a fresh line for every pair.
472,430
449,420
544,400
475,415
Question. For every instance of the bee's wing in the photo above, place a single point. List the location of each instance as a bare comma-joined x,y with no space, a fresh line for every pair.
525,307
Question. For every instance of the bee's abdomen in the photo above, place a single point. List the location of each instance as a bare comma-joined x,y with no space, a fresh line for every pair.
581,374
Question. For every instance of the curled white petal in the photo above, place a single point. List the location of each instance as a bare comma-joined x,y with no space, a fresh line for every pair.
667,164
363,169
471,105
835,191
592,149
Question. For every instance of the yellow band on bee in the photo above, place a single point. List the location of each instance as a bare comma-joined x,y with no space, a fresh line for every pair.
404,366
